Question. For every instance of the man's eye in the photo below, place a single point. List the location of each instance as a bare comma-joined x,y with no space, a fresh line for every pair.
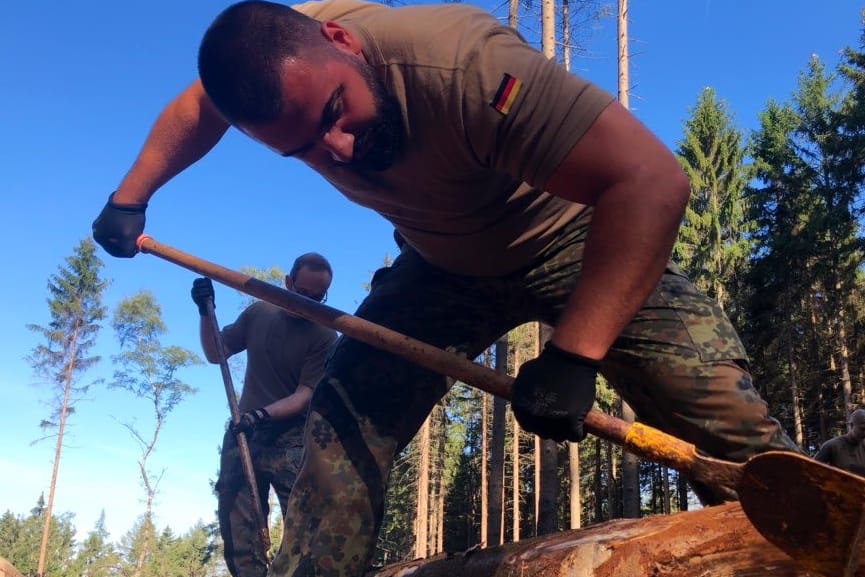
333,111
333,114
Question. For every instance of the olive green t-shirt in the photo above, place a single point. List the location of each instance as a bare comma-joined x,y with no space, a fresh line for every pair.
283,352
488,121
840,452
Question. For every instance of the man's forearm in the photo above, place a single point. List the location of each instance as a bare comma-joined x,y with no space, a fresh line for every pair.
626,251
295,404
188,128
208,341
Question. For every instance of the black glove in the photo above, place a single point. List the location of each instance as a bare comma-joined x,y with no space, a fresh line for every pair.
554,392
118,227
250,421
202,291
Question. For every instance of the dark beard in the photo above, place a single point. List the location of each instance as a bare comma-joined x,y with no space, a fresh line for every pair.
379,146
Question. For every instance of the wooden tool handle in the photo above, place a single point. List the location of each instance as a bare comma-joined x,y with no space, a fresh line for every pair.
638,439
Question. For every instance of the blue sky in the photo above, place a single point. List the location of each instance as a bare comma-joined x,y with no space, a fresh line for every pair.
82,83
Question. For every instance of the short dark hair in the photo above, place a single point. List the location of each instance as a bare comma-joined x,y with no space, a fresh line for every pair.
240,55
311,260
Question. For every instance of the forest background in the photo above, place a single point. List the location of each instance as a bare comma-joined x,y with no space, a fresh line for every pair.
763,105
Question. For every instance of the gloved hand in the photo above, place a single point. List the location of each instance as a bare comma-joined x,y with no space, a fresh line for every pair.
118,227
554,392
250,421
202,291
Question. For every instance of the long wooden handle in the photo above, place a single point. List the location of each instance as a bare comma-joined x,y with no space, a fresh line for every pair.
638,439
242,444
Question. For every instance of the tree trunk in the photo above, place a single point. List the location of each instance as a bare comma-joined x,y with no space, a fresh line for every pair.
58,450
566,35
630,474
576,502
515,475
682,492
844,361
597,485
549,464
717,541
513,13
630,463
614,506
423,492
485,504
497,454
516,517
548,28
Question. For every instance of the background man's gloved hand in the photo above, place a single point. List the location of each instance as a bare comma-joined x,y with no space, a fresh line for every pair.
118,227
202,291
554,392
250,421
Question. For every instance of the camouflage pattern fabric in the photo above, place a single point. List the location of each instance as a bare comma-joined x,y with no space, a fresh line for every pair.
679,364
277,453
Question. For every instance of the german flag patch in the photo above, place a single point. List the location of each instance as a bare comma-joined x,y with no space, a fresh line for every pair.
506,94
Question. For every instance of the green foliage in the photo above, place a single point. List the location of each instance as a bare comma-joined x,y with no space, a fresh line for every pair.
193,554
75,306
76,314
147,368
808,253
190,555
20,538
273,275
713,243
97,556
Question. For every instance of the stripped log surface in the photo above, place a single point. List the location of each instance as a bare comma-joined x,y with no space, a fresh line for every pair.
711,542
7,569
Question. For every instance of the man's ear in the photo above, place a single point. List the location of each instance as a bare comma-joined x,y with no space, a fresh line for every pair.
289,284
340,37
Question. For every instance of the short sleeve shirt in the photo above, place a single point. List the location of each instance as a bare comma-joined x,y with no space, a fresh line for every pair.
488,121
840,452
283,352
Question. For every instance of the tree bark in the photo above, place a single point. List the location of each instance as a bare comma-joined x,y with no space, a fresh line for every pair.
576,502
547,521
497,454
717,541
485,504
423,493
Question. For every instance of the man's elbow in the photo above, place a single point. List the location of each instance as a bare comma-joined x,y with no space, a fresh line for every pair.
679,190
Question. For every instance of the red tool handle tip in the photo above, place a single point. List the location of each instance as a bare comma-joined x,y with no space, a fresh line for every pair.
141,240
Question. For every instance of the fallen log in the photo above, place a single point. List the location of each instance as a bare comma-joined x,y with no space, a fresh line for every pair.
710,542
7,569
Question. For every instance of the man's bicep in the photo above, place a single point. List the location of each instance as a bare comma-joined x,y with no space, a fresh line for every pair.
614,148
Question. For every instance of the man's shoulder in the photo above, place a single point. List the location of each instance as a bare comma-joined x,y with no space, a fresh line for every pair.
835,442
338,9
413,32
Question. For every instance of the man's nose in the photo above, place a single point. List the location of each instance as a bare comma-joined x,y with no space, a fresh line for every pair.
339,144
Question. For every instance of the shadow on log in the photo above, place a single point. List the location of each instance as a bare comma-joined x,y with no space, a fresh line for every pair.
711,542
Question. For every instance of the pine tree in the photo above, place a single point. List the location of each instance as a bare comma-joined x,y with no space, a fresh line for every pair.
807,257
96,556
75,306
713,244
20,539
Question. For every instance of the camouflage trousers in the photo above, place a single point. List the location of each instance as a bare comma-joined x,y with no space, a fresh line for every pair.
276,454
679,364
